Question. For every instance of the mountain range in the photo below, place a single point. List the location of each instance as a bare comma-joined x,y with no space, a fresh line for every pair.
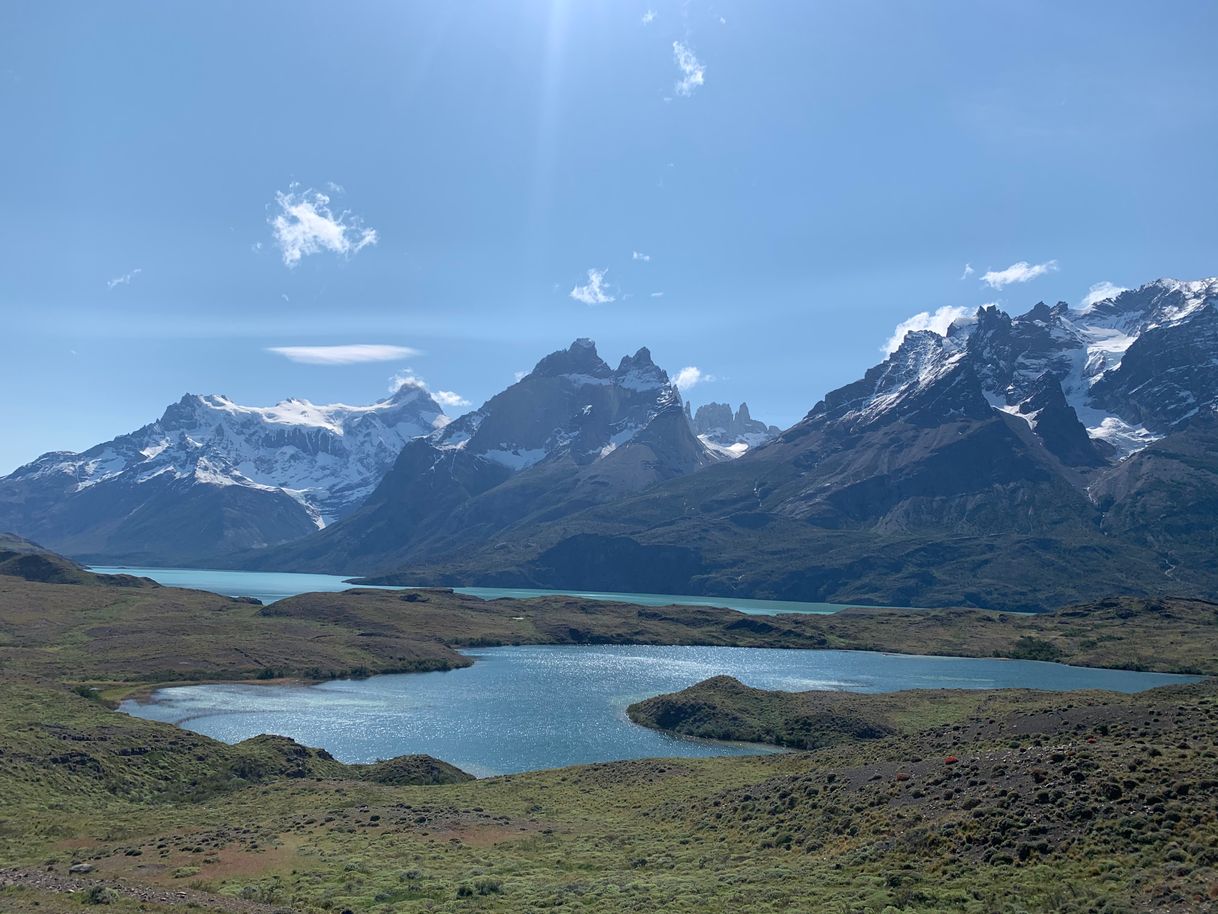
572,434
211,476
1018,462
1013,461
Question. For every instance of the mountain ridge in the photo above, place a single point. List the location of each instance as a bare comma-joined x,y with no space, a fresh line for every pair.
211,475
1008,462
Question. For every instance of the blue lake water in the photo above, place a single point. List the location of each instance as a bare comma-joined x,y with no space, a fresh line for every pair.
525,708
269,586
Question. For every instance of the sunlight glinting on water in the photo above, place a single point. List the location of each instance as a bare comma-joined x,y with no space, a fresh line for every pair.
521,708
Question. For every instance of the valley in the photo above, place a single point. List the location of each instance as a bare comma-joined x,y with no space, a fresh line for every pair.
572,457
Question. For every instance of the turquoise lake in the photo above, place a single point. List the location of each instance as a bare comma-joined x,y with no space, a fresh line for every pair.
525,708
269,586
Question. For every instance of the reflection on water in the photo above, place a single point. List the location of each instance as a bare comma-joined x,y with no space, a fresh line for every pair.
523,708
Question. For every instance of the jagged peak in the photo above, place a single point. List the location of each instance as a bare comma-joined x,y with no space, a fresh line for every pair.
641,359
408,389
639,372
580,358
1039,312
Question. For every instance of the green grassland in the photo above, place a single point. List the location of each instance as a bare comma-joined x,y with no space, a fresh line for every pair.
1081,802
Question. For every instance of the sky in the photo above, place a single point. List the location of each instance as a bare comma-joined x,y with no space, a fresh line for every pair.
271,200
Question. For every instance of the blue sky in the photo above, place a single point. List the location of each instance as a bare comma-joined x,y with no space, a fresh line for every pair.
799,179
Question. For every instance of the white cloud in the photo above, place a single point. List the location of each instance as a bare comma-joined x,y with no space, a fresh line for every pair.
448,399
937,321
693,74
1017,272
968,271
123,280
343,355
691,375
657,294
520,375
306,225
595,291
1098,292
649,17
639,255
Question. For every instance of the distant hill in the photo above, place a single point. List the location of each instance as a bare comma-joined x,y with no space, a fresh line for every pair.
20,558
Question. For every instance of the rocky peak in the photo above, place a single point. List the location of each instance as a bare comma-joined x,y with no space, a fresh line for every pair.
580,358
640,360
720,429
1163,301
639,372
571,406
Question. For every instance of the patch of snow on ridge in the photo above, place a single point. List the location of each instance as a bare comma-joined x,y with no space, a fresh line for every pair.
730,451
923,358
651,378
334,417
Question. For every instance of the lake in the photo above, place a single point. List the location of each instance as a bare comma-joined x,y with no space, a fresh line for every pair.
269,586
525,708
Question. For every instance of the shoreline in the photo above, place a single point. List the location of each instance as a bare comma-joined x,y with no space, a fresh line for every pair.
142,691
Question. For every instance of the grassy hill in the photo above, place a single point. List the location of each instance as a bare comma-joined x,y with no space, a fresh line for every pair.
1083,802
1008,801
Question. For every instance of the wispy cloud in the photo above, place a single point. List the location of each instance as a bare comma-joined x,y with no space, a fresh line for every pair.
937,321
344,355
123,280
1100,291
649,17
1017,272
691,376
305,225
968,271
595,291
657,294
639,255
693,73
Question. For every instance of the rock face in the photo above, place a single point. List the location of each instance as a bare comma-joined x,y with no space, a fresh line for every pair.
571,434
1133,367
211,476
1011,462
726,433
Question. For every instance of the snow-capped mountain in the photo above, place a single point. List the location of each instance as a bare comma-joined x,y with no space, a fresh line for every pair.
728,434
573,432
308,464
571,405
1132,367
990,466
